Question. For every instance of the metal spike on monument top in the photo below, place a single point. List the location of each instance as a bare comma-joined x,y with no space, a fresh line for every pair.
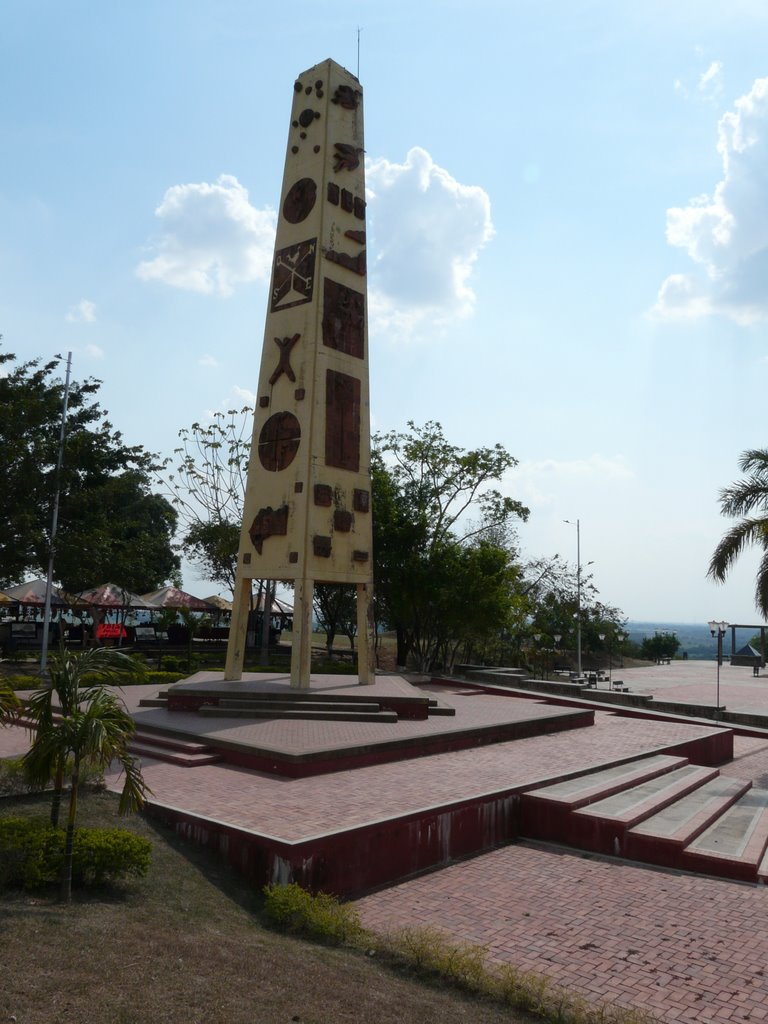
307,509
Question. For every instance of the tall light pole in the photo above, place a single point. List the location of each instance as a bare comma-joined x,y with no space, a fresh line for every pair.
577,524
718,629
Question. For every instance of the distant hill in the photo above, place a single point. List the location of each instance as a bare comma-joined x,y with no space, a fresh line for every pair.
694,638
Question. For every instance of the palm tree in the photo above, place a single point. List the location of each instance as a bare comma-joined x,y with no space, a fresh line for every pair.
80,718
747,498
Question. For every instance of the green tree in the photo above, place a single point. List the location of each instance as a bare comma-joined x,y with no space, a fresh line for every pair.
79,718
104,485
335,606
658,646
746,499
426,546
207,486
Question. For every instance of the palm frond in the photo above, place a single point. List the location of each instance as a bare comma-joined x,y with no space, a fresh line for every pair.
747,532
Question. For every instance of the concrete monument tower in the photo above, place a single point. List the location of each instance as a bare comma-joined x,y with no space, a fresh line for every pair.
307,511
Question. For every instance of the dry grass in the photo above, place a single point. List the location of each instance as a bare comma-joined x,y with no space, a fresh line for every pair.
186,945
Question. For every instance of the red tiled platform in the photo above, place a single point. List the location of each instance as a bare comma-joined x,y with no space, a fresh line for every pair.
300,748
357,828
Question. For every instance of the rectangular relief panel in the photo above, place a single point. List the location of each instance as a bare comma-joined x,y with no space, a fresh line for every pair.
342,421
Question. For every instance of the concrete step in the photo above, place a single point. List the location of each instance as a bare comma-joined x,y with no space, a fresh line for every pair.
215,711
661,838
639,802
602,827
153,702
586,789
304,705
546,813
733,846
157,752
158,739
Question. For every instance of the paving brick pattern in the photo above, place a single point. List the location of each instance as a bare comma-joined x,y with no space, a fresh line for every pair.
683,947
295,809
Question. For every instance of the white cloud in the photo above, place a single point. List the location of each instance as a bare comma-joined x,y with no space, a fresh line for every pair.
542,484
94,351
249,397
83,313
213,238
207,360
726,233
427,230
711,82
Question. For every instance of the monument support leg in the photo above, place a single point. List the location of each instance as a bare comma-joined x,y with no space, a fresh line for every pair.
301,652
366,663
238,631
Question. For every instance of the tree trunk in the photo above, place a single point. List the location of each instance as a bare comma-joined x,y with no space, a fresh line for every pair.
402,646
69,841
58,786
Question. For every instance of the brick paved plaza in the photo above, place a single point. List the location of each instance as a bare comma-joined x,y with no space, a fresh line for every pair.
685,947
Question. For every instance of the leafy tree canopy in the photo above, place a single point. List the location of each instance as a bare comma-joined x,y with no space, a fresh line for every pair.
110,524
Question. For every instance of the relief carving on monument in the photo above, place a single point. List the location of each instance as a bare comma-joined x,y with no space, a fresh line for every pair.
343,318
342,421
279,441
269,522
293,275
299,200
346,97
284,366
346,157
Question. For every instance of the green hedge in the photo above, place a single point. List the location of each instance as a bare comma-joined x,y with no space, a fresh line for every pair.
31,854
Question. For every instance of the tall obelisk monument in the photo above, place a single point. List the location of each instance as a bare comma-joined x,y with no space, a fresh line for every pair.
307,511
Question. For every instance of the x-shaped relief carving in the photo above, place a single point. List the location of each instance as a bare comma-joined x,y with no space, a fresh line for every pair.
284,365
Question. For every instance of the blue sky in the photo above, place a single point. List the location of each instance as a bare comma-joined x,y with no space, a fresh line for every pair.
568,220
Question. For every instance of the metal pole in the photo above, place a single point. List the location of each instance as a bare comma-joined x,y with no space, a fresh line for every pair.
55,521
578,596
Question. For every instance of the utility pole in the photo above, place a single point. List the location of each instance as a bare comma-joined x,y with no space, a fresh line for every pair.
55,521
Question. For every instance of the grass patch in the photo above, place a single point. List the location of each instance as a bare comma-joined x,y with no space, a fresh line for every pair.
193,942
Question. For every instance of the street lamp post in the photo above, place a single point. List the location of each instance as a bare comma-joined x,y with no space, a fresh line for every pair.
601,638
718,629
577,524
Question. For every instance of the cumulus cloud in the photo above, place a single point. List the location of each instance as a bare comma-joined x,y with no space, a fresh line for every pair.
212,238
83,313
94,351
427,231
726,232
207,360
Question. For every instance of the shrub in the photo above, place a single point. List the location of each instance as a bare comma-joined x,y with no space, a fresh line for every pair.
23,682
429,951
27,853
13,780
108,854
31,852
293,909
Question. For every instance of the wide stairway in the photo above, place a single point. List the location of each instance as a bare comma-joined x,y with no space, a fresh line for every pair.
307,706
659,810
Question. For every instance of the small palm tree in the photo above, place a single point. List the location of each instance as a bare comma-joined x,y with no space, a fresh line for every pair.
747,498
81,719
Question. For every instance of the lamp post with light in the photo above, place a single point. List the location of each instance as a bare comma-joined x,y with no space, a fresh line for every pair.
718,629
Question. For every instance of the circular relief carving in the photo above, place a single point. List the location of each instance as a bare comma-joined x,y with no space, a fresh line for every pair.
299,201
279,441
